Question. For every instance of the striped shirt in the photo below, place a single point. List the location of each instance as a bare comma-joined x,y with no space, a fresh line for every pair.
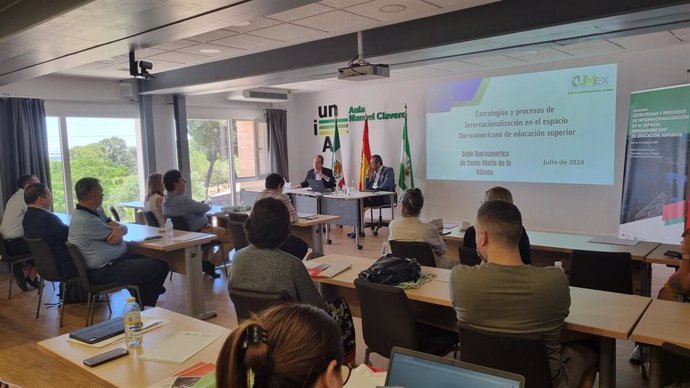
283,197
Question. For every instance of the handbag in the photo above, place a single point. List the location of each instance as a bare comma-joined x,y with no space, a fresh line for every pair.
392,270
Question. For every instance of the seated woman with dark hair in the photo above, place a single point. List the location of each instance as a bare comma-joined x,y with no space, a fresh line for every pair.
263,267
289,345
410,228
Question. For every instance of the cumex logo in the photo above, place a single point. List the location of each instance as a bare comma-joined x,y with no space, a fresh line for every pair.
588,80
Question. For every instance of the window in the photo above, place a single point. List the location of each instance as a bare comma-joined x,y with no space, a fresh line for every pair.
104,148
216,149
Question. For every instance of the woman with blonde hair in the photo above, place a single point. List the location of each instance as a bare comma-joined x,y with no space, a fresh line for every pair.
154,196
286,346
410,228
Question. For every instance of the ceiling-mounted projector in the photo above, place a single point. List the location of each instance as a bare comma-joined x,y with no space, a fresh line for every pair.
363,72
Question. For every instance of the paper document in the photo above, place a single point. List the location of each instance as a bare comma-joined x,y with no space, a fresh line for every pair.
306,216
179,347
363,377
325,270
614,241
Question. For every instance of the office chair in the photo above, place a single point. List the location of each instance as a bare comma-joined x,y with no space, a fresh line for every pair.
115,214
523,354
48,270
236,227
96,289
247,301
674,361
419,250
469,256
387,321
604,271
380,223
12,260
151,219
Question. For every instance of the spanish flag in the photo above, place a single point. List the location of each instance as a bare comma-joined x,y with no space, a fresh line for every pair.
366,156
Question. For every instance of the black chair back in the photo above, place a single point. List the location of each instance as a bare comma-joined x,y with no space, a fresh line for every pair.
469,256
604,271
115,214
44,260
516,353
674,363
180,223
151,219
12,260
419,250
387,319
239,238
247,302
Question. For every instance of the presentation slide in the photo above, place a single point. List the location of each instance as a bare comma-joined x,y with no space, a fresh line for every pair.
552,127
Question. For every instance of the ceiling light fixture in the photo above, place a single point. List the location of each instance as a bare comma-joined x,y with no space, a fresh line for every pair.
209,51
392,8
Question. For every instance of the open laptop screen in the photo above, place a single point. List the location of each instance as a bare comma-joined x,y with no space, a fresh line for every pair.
418,370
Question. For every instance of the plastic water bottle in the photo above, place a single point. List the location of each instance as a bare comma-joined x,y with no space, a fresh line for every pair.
169,229
559,265
133,325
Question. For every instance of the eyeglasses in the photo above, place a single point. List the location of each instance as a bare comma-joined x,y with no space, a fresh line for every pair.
345,371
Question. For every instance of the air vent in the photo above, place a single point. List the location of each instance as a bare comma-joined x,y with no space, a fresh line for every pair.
260,95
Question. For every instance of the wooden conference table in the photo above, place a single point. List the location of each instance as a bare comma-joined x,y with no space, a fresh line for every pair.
182,252
130,371
349,208
664,321
610,316
554,246
307,227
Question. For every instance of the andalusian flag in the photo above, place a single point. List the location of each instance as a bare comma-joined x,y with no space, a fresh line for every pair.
405,175
337,163
366,156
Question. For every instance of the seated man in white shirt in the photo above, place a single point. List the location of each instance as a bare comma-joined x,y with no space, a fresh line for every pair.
13,232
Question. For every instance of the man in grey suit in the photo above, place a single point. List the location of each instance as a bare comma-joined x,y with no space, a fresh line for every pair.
379,178
318,172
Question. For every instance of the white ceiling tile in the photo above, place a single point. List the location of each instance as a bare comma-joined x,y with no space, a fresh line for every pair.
224,50
682,33
248,42
147,52
645,41
420,71
289,33
174,56
301,12
454,5
211,36
495,61
338,22
342,3
253,25
174,45
590,48
378,10
545,54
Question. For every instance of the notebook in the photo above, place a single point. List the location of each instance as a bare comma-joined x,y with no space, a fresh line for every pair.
317,185
100,331
325,270
419,370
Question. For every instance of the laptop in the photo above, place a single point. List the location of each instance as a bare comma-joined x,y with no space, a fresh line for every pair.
412,369
100,331
317,185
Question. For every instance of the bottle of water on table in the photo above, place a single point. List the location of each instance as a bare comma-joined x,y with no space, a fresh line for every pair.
133,325
169,229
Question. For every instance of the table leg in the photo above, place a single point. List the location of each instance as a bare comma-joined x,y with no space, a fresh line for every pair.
360,223
645,279
655,367
607,362
195,285
317,241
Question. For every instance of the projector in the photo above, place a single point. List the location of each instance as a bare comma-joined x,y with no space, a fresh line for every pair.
364,72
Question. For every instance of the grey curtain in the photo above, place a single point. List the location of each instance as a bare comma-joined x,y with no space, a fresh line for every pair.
23,142
276,121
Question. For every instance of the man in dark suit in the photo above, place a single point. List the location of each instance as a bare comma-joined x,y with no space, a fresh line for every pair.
379,178
40,222
319,172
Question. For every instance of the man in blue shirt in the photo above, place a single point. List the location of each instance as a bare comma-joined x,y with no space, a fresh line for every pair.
100,240
177,204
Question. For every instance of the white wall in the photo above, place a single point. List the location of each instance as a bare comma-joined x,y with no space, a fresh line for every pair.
588,209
